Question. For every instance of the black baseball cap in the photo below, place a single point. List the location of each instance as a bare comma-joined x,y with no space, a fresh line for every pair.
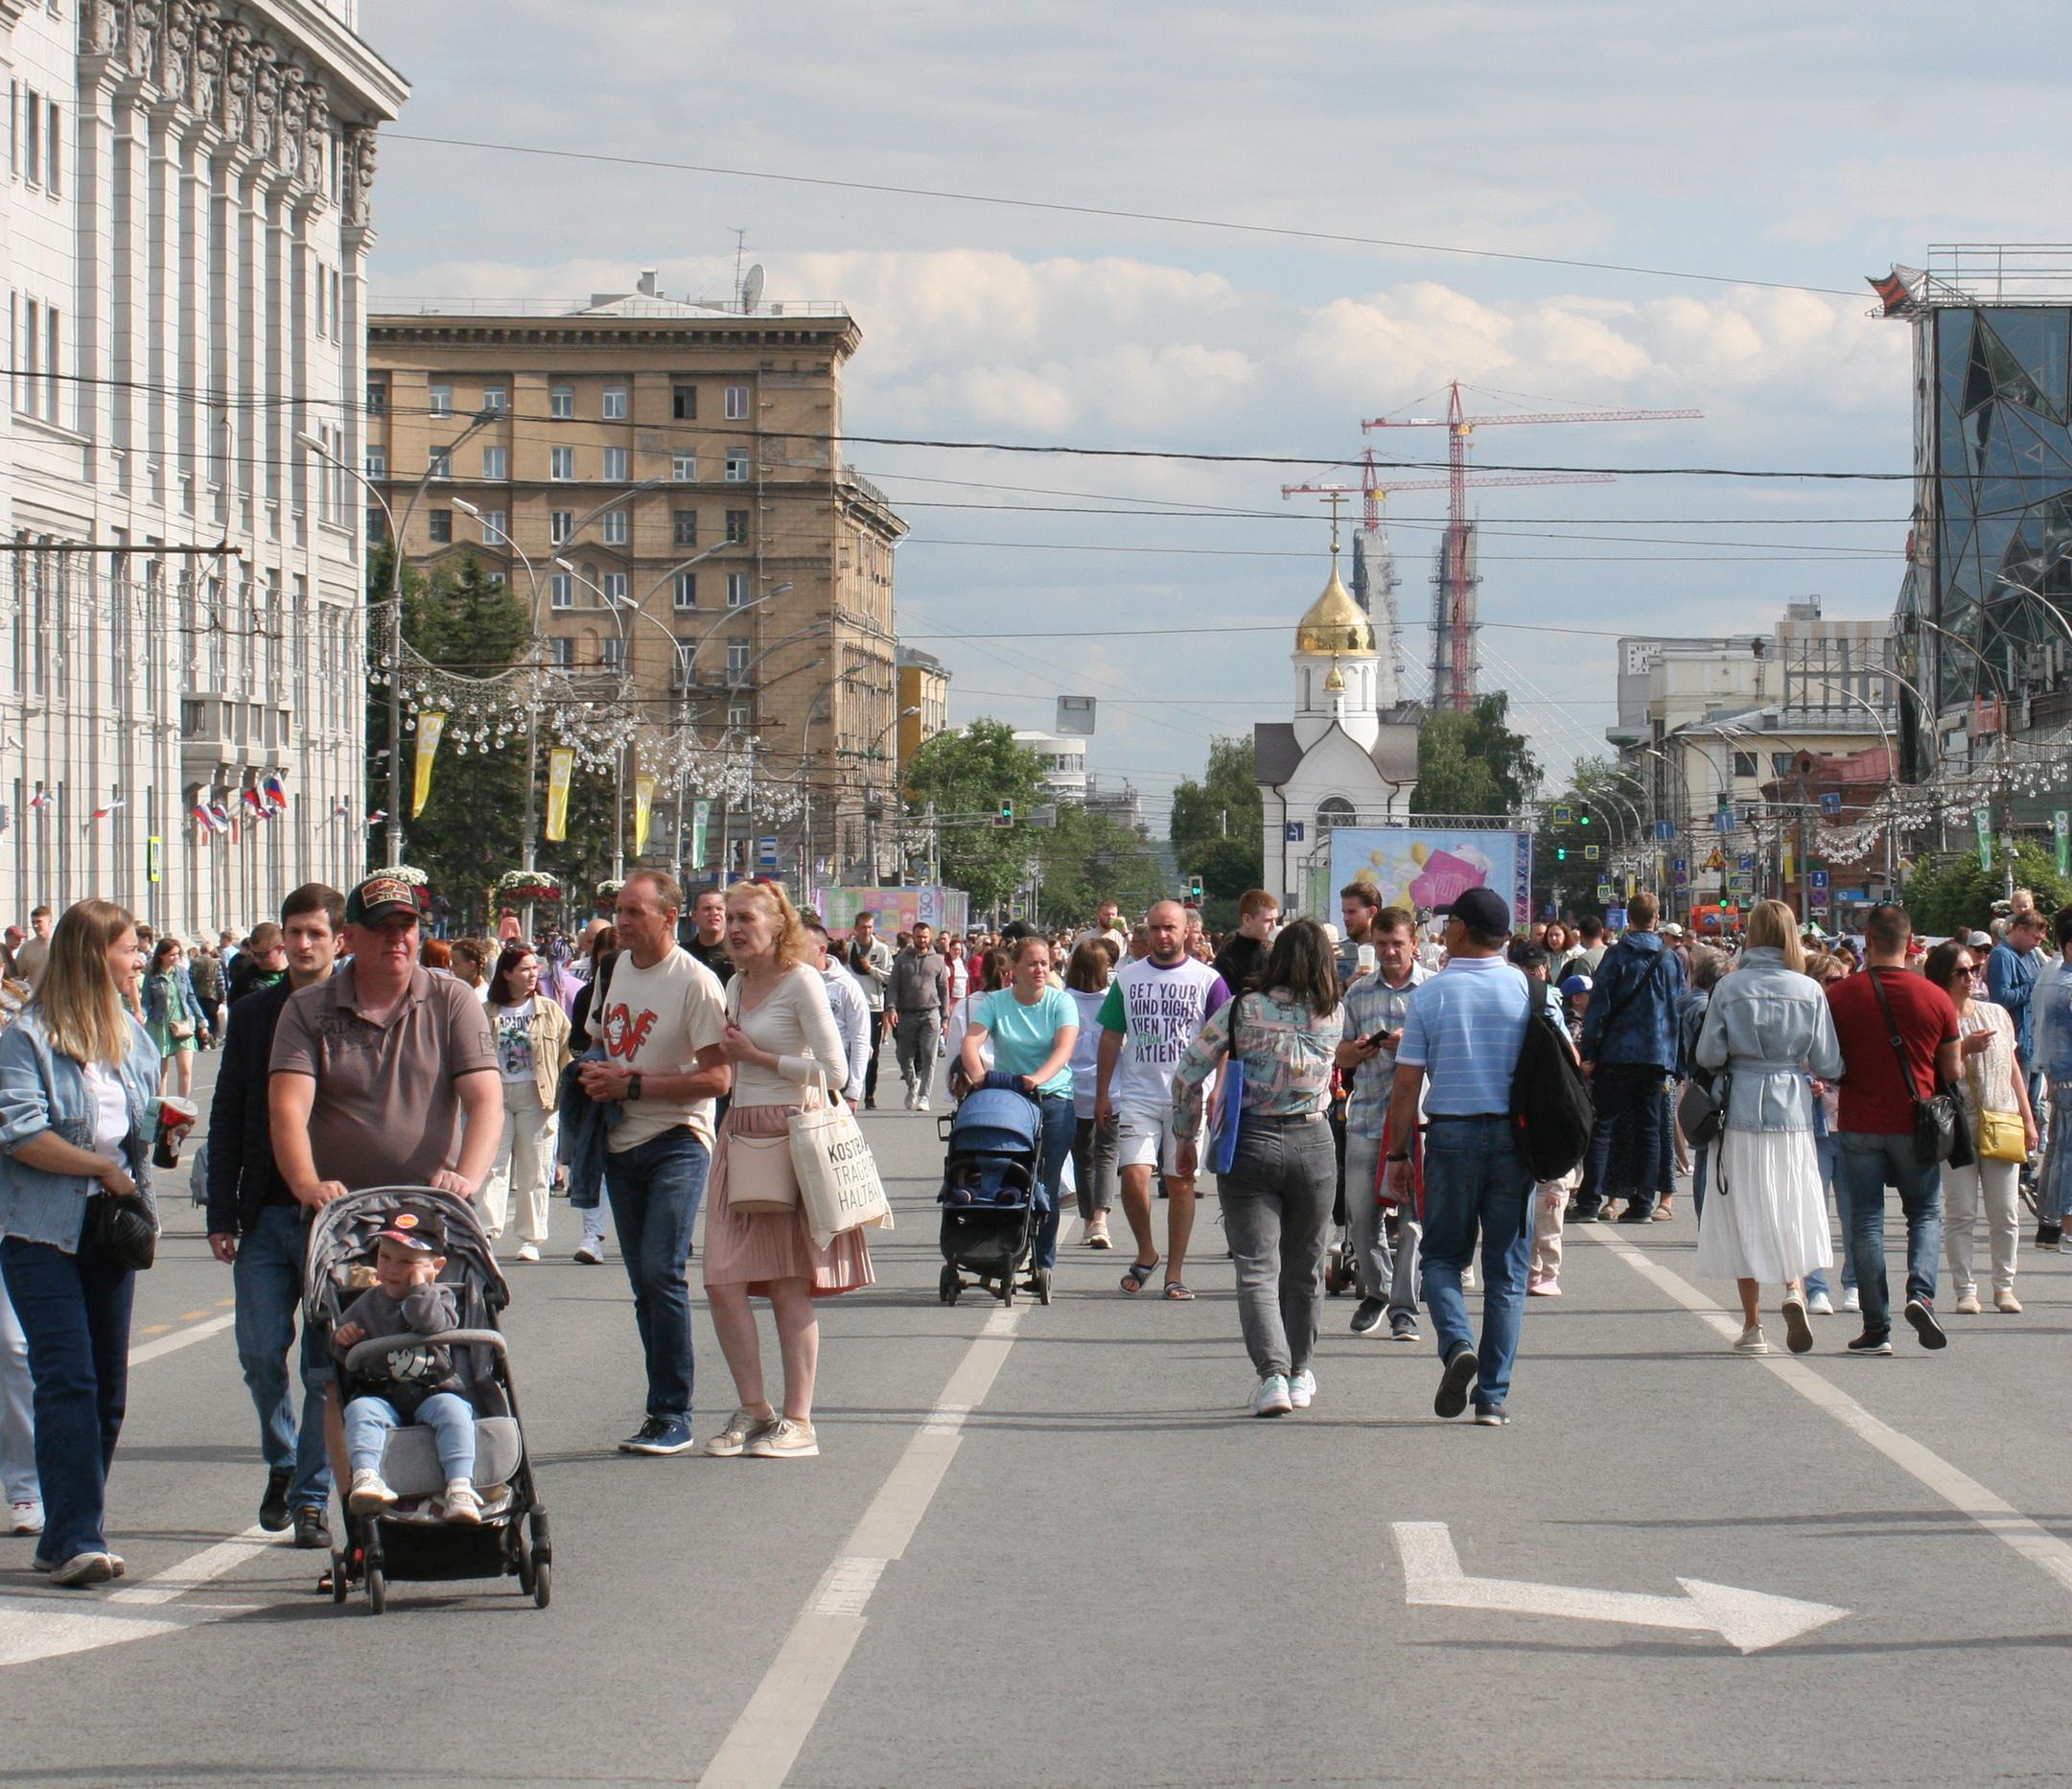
1480,910
423,1231
380,894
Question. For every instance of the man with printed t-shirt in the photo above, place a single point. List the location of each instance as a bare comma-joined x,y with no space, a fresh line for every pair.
660,1019
1154,1008
1874,1124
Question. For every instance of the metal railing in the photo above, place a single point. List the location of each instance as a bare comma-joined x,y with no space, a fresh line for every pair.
1999,272
633,304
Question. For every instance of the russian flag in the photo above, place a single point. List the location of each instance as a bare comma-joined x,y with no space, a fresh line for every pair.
276,792
101,813
255,802
42,797
199,812
220,817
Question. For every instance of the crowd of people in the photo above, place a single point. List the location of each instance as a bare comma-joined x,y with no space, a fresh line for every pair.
1354,1087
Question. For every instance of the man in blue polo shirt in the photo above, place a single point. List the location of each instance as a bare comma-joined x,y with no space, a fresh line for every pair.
1461,1033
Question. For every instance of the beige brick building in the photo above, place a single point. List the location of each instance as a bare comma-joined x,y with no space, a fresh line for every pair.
682,459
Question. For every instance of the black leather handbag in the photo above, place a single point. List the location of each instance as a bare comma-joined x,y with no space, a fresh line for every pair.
1938,1122
124,1227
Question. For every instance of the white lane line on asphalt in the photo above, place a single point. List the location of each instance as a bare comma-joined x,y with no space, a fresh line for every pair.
1955,1486
181,1338
198,1568
764,1743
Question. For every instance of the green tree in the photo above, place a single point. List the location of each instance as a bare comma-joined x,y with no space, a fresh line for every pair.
968,775
1956,894
1218,829
1091,857
468,832
1473,762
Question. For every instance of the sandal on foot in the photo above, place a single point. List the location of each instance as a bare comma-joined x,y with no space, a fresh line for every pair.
1137,1275
1177,1290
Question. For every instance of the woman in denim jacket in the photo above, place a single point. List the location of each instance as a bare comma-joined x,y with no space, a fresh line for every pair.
78,1078
1764,1219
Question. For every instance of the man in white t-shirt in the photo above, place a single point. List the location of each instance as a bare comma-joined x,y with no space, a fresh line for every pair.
1154,1007
1108,923
660,1019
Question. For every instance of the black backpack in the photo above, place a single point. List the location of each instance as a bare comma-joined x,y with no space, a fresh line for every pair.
1551,1112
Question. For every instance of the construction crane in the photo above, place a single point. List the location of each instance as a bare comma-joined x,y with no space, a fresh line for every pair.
1373,563
1454,582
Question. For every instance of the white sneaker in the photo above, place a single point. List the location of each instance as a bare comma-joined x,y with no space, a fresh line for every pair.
908,1103
920,1105
25,1517
1820,1304
1853,1300
370,1493
1752,1341
462,1503
1271,1399
1302,1389
529,1251
590,1254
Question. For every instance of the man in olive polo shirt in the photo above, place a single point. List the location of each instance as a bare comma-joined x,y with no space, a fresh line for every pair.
373,1069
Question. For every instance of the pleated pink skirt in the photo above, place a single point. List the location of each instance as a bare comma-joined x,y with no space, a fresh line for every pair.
755,1249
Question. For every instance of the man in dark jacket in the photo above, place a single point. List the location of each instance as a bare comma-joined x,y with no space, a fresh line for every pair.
262,964
256,1226
1630,1048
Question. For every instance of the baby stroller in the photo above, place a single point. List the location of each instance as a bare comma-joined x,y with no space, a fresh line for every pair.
412,1541
991,1193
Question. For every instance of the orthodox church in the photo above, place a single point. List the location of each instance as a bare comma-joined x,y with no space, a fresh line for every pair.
1347,758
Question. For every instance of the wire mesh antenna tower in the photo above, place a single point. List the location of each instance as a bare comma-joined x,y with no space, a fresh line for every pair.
1375,580
1454,580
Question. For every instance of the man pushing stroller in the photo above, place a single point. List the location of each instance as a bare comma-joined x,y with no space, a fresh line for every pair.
426,1384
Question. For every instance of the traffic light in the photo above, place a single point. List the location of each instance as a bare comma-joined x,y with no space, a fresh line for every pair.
1006,815
1582,820
1194,888
1560,854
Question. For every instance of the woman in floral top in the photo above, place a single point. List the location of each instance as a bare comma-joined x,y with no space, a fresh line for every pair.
1278,1194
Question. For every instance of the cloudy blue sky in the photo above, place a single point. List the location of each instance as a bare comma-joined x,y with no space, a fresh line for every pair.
1804,145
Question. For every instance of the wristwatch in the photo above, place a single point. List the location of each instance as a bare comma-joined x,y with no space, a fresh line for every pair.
632,1085
1399,1158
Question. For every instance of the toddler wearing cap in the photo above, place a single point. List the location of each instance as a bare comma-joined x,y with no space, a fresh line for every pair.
424,1384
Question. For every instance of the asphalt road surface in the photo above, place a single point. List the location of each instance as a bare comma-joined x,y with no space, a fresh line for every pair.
1044,1546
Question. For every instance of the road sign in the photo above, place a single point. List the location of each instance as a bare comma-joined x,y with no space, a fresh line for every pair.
1818,904
1746,861
1292,831
1830,803
1853,894
1604,891
1741,885
1564,815
1817,880
1682,878
1679,864
767,851
1664,831
1723,820
1616,918
1592,852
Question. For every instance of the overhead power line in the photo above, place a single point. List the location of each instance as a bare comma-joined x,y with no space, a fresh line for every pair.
1118,214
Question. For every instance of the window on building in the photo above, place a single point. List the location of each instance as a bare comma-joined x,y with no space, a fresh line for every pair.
687,589
614,652
377,526
737,404
684,468
31,360
495,464
318,283
442,399
737,655
495,579
496,527
560,591
53,139
737,465
616,528
442,462
1746,764
496,397
561,526
1781,763
561,463
51,343
561,402
31,136
618,465
614,588
737,527
683,403
376,463
684,528
615,403
561,653
737,717
441,521
376,397
736,588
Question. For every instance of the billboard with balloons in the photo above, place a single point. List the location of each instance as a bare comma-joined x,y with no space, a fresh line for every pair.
1425,869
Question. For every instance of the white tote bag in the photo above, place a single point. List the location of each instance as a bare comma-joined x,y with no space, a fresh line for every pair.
838,1180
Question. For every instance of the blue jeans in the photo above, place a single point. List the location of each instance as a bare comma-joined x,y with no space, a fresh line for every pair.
1625,1144
1865,1163
656,1188
18,1412
1475,1182
449,1416
267,1277
75,1310
1816,1282
1061,1125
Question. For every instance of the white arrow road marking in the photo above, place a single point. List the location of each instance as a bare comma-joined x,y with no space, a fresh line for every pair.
1749,1620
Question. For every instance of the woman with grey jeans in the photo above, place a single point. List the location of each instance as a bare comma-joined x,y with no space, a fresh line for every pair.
1093,1145
1278,1194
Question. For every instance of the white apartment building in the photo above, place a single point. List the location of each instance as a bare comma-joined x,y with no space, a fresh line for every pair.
1064,764
184,227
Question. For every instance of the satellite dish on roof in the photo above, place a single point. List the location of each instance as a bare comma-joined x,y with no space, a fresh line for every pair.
752,291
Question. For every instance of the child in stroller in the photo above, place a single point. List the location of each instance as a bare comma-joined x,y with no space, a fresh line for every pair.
429,1386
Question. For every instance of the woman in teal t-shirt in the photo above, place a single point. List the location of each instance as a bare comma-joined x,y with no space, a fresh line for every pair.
1032,1027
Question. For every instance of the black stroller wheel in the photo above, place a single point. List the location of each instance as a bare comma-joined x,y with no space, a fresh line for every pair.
341,1582
1044,1285
542,1585
949,1286
1006,1287
377,1591
529,1573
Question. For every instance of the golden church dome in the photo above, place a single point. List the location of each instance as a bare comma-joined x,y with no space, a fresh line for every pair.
1336,624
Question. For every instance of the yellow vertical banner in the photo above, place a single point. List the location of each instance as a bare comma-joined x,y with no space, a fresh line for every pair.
560,767
430,725
643,811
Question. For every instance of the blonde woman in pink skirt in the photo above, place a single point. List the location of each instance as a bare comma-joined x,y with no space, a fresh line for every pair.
780,1037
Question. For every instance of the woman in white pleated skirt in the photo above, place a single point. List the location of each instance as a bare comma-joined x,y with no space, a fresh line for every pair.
1767,1032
